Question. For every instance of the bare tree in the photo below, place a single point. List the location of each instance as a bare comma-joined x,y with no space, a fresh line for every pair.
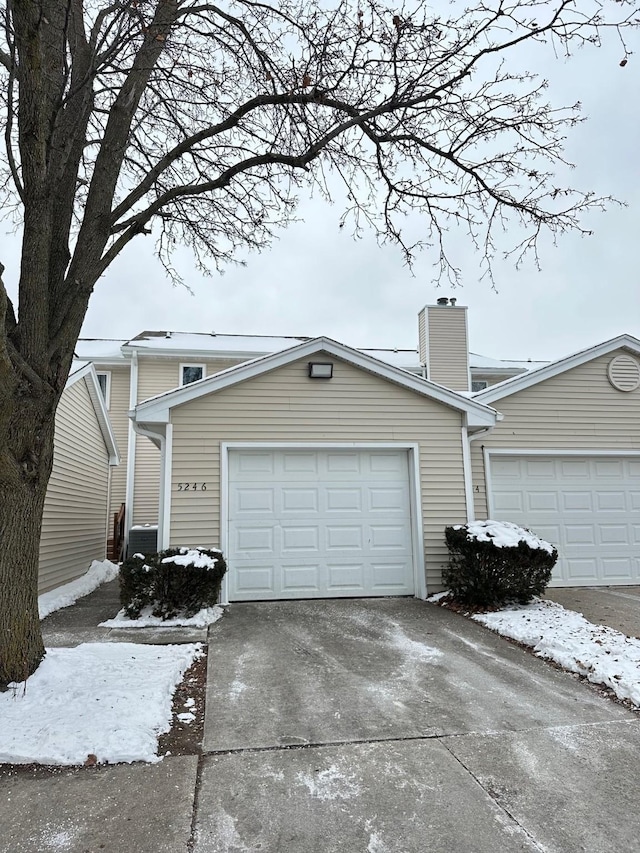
200,120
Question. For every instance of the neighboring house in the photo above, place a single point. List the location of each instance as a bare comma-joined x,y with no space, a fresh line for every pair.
74,525
322,470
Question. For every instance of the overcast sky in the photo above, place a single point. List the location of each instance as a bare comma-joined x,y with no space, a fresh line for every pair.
317,280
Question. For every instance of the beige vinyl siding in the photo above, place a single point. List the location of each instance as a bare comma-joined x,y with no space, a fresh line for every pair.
73,525
155,376
286,406
422,335
577,410
448,346
118,408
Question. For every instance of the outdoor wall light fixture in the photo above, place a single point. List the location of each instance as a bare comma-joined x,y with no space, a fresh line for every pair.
320,370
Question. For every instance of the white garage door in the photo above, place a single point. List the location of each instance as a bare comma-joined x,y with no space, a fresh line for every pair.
589,507
319,524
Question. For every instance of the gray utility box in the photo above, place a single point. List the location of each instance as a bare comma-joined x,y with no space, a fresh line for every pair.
143,539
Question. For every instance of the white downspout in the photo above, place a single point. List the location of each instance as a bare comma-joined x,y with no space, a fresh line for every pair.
466,442
131,451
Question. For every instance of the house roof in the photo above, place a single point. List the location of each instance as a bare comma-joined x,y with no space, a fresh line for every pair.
85,370
100,349
495,365
157,409
211,345
547,371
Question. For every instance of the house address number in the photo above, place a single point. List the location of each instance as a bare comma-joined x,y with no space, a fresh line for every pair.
192,487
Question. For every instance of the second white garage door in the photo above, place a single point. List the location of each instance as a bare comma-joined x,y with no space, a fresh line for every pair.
319,524
589,507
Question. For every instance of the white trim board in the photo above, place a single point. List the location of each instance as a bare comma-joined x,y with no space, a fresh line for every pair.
88,372
413,450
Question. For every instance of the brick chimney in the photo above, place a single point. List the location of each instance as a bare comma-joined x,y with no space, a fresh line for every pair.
443,343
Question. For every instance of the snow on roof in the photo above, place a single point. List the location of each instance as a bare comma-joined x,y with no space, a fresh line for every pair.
482,362
77,364
205,341
91,349
407,359
109,349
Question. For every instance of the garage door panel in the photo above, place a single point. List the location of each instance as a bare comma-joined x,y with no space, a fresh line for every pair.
388,577
574,469
387,500
581,571
587,506
508,502
542,501
343,576
344,538
388,537
339,525
617,569
341,463
300,579
341,500
255,463
579,534
298,501
255,579
254,540
540,468
614,534
254,501
296,539
296,463
576,501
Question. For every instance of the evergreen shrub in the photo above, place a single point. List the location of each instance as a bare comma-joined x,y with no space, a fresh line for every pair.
177,581
492,563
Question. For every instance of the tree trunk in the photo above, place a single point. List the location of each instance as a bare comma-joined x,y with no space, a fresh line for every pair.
26,454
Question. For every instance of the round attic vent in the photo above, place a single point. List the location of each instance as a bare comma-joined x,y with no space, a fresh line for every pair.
624,373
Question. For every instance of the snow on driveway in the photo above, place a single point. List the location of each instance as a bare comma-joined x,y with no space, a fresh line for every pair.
111,700
603,655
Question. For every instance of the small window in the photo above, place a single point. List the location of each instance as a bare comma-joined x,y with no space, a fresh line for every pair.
479,384
104,381
191,373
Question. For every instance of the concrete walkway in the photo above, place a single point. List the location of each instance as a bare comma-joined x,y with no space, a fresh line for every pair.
359,726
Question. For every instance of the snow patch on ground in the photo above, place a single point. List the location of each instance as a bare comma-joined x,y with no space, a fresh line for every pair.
438,596
204,617
330,784
603,655
111,700
65,596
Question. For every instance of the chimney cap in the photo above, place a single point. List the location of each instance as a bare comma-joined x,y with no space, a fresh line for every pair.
442,300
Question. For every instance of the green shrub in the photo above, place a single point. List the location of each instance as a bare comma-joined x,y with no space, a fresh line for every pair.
176,581
492,562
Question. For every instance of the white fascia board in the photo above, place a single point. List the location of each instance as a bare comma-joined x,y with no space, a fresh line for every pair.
184,353
532,377
157,409
88,373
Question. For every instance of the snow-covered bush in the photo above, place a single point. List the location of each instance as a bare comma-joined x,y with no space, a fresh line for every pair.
176,581
492,562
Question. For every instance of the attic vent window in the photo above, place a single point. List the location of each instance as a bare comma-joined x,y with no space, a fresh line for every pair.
624,373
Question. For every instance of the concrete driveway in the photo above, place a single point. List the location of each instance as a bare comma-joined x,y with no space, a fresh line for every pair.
392,726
